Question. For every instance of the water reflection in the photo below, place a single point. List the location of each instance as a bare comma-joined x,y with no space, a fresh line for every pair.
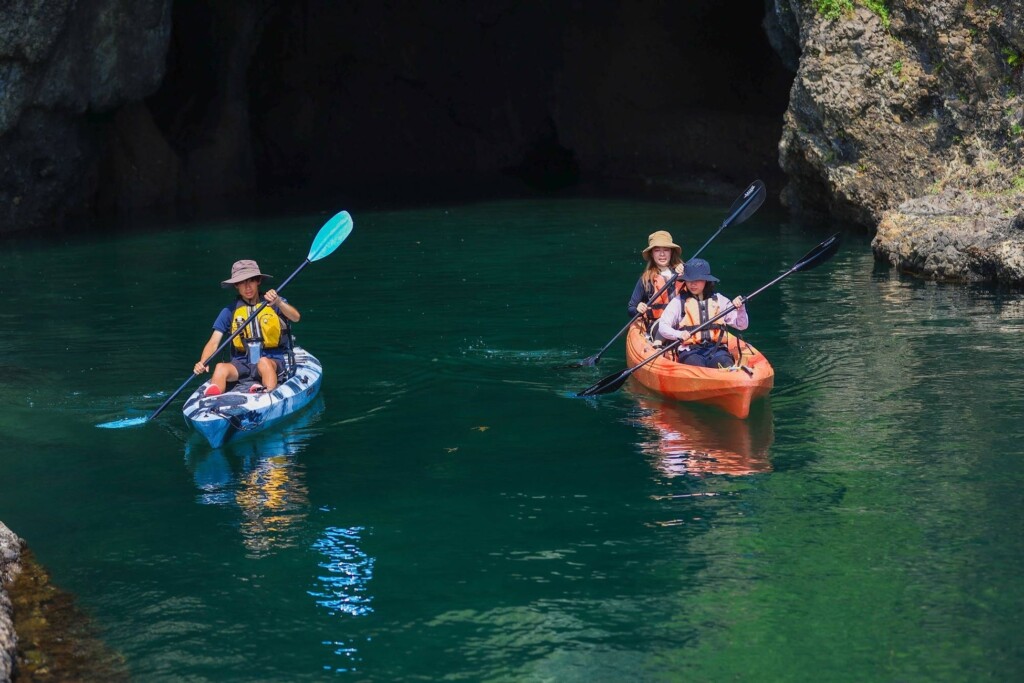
683,439
262,478
342,588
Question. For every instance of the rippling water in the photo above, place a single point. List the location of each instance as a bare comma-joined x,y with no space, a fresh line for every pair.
447,510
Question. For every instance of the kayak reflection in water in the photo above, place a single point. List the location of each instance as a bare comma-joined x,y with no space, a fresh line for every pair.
269,488
700,442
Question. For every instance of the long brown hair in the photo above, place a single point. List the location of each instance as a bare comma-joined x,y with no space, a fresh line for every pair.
652,269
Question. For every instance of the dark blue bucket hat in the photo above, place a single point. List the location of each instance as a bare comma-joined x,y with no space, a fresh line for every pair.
698,269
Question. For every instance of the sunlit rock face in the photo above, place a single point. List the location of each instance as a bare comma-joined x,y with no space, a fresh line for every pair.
110,106
890,107
956,235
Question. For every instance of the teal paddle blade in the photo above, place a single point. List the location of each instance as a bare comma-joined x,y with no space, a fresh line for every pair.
126,422
330,237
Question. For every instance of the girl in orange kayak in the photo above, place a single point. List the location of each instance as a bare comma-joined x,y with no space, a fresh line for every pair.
663,261
707,348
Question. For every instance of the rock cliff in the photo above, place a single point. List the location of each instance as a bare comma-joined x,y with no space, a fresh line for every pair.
907,116
65,67
10,567
111,105
900,112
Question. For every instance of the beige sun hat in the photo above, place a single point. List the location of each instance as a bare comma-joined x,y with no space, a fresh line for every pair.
661,238
241,271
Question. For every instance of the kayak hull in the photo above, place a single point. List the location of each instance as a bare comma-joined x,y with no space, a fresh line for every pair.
237,413
732,390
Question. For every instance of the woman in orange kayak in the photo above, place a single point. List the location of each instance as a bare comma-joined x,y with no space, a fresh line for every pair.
708,348
663,261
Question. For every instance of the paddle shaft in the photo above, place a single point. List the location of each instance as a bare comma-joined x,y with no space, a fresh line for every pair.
227,341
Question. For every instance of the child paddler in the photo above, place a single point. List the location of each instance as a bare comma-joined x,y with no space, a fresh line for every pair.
663,261
259,351
709,347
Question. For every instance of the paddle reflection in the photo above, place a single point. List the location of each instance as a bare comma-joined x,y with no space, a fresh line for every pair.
686,440
261,477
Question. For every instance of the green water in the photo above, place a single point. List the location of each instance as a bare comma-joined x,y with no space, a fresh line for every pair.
449,511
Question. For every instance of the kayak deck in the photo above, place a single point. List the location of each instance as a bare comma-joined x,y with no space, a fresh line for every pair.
731,389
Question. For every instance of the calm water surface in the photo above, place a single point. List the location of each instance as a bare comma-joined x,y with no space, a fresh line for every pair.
448,512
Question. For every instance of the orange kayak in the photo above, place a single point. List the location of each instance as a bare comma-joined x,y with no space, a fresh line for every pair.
731,389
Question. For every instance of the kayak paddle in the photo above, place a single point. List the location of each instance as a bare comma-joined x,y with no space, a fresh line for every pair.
815,257
744,206
331,235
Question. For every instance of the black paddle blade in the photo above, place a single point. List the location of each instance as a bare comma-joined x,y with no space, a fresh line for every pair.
607,385
588,362
821,253
753,197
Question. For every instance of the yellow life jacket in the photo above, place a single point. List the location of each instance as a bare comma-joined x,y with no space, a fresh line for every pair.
265,327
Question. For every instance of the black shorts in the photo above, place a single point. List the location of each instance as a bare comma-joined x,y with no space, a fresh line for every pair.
248,371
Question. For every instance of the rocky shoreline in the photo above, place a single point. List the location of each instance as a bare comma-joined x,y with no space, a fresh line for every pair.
10,568
43,634
955,235
907,118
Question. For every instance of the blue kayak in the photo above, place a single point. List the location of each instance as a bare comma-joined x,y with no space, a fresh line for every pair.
237,413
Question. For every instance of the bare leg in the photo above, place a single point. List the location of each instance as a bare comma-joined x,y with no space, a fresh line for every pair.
268,373
224,373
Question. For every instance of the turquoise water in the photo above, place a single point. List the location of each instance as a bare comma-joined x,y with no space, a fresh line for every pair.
448,511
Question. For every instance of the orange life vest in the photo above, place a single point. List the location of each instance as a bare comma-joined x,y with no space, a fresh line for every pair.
657,307
696,312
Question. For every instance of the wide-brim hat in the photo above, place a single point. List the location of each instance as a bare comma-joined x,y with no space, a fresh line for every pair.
242,271
698,269
660,238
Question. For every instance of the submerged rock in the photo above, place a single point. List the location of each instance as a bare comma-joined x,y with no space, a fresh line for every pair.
43,634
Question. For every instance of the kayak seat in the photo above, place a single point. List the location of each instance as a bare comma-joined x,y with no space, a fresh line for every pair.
650,328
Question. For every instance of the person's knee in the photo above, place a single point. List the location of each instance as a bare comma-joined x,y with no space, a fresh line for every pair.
695,359
267,368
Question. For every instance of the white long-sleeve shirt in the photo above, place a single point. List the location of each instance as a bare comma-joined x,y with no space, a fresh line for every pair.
668,323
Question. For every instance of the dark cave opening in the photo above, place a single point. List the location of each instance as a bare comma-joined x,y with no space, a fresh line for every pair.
409,100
